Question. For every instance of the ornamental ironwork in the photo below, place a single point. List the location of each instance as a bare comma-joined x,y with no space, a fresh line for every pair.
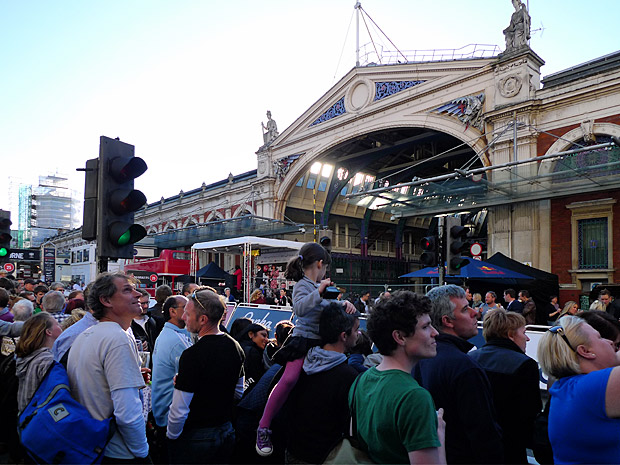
387,88
336,109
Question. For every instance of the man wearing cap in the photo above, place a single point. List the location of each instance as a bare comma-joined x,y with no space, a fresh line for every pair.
29,284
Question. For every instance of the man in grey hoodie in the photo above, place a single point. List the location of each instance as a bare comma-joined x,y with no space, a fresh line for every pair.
318,408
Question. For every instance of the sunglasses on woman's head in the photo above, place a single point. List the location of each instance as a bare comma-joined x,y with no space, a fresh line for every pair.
559,330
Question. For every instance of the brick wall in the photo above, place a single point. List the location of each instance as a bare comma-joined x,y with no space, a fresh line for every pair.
561,259
561,238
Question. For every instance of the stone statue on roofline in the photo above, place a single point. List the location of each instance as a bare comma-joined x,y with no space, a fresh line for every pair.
517,33
270,131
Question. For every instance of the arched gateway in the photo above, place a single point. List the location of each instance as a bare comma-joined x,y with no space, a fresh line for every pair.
384,125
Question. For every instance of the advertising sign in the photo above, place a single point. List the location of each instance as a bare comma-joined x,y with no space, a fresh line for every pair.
25,255
49,264
144,276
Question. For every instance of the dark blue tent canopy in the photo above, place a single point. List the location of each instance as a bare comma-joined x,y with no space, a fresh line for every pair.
212,271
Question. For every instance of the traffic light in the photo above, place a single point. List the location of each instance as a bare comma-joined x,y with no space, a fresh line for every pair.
89,219
117,200
5,234
456,244
430,256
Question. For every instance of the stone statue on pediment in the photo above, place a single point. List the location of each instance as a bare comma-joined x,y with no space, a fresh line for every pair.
517,33
270,131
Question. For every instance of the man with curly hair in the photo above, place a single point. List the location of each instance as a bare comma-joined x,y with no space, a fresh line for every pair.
394,417
104,369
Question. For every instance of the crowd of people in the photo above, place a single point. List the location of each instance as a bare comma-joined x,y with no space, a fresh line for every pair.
183,389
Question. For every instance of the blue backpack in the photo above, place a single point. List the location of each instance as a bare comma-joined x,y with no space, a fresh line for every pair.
55,428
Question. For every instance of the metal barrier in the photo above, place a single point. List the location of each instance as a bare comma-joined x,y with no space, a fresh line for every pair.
270,315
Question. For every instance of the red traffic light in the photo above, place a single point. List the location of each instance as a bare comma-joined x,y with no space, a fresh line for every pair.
124,201
429,256
126,169
428,243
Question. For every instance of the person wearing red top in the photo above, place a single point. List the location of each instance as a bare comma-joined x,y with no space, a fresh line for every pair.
239,276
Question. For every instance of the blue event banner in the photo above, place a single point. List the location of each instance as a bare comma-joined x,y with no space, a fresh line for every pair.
267,315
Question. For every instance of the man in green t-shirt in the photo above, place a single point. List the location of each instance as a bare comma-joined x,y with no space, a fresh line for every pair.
395,418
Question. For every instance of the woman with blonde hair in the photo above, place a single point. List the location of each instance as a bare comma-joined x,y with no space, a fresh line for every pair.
514,380
257,297
34,354
586,394
570,308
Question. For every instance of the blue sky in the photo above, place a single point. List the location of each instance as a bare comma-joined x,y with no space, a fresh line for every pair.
188,82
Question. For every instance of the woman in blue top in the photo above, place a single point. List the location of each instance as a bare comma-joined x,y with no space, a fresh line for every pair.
585,396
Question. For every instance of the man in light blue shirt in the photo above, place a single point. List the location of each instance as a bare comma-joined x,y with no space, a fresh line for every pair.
11,329
169,346
66,338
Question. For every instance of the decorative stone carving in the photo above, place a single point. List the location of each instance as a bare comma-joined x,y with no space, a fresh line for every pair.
518,31
282,166
514,64
230,178
467,109
262,167
587,127
510,86
270,131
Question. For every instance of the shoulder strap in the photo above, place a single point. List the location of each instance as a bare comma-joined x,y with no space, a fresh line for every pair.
353,429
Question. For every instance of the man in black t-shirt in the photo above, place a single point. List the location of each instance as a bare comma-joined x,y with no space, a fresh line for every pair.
210,378
318,406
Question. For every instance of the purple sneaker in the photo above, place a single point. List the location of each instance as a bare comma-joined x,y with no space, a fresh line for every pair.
263,442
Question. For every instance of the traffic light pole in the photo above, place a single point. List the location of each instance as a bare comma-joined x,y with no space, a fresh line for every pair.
440,251
102,264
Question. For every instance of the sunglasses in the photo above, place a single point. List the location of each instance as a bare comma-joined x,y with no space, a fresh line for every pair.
194,296
559,330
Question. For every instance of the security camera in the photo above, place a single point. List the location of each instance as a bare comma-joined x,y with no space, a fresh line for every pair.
392,218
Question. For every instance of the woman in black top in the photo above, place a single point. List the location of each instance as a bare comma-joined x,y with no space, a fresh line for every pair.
514,380
253,340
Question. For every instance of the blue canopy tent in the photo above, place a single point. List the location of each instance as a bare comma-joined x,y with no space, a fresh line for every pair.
475,269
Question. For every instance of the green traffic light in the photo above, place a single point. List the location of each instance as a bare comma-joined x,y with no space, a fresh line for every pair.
3,251
124,239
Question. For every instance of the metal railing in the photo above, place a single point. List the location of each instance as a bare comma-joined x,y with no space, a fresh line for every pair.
370,56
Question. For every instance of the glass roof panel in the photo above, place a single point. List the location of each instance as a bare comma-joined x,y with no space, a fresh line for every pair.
581,170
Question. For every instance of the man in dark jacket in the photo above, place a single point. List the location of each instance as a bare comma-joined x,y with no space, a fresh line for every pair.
612,306
458,384
318,406
363,302
529,307
146,327
161,294
512,303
